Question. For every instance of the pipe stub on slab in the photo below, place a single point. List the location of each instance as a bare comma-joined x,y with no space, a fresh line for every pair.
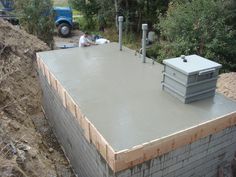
144,26
120,18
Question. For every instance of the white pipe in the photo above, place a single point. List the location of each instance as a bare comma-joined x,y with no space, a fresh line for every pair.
120,19
144,28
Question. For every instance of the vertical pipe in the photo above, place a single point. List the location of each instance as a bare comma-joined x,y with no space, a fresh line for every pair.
144,28
120,19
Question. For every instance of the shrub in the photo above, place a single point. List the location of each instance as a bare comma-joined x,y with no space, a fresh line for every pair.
200,27
36,17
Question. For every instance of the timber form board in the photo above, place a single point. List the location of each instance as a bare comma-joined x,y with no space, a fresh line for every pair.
127,158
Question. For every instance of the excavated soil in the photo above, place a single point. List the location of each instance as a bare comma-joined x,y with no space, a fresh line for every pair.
27,144
227,85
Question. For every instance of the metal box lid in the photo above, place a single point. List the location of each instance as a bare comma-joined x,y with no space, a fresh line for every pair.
194,64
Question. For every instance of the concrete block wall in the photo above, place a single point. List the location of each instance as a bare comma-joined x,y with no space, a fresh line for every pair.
199,159
83,156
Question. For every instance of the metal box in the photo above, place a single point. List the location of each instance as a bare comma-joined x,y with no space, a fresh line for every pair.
190,78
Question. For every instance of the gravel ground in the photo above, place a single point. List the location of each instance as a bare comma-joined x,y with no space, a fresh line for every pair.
227,85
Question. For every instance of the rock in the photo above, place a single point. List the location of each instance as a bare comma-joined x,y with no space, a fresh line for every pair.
25,141
20,156
33,153
14,150
50,150
23,147
4,117
34,156
40,142
14,125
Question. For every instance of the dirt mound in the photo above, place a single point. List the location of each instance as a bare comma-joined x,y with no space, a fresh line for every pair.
27,145
227,85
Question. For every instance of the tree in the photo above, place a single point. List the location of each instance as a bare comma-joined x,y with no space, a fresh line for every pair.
135,12
89,9
36,17
203,27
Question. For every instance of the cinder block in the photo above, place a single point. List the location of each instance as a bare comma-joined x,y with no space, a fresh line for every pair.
157,174
178,152
158,160
147,172
205,139
170,175
198,149
155,169
197,156
217,147
125,173
175,167
170,162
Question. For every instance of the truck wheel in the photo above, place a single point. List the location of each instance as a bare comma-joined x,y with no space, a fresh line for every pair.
64,30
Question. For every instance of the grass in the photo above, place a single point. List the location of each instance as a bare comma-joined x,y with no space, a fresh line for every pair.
76,12
64,3
130,40
61,3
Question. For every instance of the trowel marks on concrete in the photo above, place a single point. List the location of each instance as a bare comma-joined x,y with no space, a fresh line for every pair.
122,96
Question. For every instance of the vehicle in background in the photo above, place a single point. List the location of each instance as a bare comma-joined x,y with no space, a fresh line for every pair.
64,20
6,5
63,17
9,16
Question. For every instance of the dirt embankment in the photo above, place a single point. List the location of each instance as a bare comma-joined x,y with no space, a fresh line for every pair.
227,85
27,144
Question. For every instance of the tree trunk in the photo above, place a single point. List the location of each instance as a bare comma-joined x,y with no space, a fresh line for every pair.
139,21
116,10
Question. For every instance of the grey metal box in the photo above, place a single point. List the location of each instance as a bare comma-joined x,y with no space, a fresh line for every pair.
192,79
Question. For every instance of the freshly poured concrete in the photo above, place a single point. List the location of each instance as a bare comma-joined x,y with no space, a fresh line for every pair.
122,96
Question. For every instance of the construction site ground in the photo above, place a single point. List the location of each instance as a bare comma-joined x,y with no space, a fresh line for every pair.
27,144
28,147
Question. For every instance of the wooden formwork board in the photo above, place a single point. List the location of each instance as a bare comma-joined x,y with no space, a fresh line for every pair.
53,82
70,104
121,160
89,130
139,154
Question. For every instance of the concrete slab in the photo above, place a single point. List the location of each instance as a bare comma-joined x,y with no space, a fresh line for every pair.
122,96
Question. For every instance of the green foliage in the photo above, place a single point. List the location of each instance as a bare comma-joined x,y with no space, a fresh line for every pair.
132,40
203,27
88,9
96,13
36,17
135,12
61,3
87,24
111,34
153,52
106,13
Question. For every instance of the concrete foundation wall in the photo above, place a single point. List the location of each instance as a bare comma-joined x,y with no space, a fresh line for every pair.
199,159
83,156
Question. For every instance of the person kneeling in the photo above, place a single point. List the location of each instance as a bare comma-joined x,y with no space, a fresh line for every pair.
84,41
